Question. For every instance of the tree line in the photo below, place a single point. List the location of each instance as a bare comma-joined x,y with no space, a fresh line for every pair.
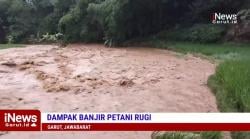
104,20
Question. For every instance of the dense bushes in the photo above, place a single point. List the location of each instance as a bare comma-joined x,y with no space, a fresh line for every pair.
203,33
25,19
74,24
51,38
111,20
21,25
186,135
67,25
206,33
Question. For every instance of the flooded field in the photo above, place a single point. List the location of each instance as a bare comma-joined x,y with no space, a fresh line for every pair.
93,78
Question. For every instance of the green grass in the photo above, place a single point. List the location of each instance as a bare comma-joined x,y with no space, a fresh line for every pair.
5,46
186,135
231,82
218,51
231,85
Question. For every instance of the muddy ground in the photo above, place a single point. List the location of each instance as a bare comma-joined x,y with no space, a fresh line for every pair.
92,78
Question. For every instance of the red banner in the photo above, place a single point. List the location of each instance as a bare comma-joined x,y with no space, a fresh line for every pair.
146,127
30,120
20,120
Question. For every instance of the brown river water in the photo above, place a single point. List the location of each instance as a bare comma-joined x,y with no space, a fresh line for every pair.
93,78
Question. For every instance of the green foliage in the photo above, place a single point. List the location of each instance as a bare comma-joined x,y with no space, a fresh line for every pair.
62,7
186,135
20,20
67,25
206,33
10,39
103,15
125,19
50,24
75,25
113,21
23,19
202,33
240,135
231,85
51,38
233,78
51,21
3,20
211,135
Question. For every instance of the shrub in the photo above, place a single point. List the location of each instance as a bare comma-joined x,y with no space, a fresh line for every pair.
51,38
186,135
79,26
202,33
70,25
206,33
10,39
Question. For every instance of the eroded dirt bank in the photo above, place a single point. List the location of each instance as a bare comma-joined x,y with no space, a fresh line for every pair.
92,78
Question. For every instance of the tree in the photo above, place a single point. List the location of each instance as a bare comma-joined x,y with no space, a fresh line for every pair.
113,20
3,20
20,19
73,24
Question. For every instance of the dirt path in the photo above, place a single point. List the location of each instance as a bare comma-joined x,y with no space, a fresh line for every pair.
92,78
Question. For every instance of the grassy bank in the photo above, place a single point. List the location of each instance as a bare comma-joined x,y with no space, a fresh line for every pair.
186,135
5,46
231,82
225,51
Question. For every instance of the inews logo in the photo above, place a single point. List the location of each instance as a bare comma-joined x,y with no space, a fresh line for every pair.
20,120
220,18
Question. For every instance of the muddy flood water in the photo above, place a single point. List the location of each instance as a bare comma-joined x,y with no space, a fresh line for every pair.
93,78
